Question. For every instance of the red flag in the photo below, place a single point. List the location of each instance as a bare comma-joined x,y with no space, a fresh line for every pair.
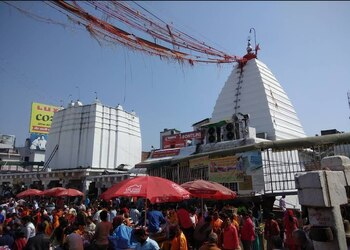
257,47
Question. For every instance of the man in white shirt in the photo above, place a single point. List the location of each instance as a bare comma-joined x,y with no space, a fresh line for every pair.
282,204
134,214
29,228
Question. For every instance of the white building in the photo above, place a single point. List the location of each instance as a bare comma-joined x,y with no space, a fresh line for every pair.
93,136
254,90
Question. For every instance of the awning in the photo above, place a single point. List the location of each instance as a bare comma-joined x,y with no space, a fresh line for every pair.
154,162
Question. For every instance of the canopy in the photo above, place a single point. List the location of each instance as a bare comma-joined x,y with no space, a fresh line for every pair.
69,192
156,189
209,190
52,191
29,192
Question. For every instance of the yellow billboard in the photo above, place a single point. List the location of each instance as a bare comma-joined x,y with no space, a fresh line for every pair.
41,118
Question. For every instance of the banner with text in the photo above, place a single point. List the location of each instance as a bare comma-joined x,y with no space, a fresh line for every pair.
180,140
233,168
41,118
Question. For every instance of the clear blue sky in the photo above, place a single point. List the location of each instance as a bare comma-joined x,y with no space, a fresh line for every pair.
305,44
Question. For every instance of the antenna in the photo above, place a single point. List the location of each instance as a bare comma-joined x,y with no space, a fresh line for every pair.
250,31
70,96
96,95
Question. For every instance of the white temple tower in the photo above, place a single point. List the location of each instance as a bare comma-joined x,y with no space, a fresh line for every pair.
253,89
93,136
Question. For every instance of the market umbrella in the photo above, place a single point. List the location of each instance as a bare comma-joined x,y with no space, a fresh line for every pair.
156,189
209,190
52,191
29,192
69,192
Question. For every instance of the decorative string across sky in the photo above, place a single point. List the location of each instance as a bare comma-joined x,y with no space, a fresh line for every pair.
153,37
107,21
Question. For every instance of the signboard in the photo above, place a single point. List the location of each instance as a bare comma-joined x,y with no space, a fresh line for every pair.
226,169
199,162
247,183
38,141
41,118
233,168
165,153
180,140
7,141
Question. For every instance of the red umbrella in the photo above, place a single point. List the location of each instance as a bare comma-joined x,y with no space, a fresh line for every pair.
209,190
155,189
69,192
52,191
29,192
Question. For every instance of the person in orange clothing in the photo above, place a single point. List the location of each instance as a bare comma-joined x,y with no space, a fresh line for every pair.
26,212
178,239
235,221
56,217
216,223
230,240
47,224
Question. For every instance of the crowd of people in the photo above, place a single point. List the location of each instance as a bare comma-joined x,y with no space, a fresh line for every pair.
121,224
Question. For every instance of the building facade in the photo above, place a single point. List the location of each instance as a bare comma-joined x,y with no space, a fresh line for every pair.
93,136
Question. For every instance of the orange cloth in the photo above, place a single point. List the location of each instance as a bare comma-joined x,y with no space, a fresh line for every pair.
230,237
216,225
56,217
48,228
25,212
179,242
236,224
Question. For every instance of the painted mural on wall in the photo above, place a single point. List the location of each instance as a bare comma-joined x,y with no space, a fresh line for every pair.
238,168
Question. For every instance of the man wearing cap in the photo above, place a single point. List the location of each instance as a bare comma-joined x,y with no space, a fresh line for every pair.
271,230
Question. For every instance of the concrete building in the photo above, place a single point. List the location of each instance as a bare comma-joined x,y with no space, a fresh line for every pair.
93,136
251,110
90,148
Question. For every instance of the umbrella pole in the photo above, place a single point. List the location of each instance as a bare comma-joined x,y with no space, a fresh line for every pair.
202,205
145,211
